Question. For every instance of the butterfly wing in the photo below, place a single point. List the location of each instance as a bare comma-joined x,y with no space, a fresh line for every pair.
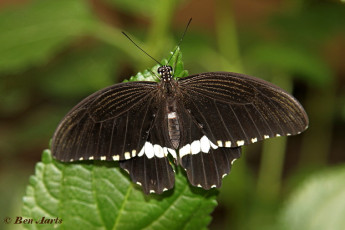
220,112
206,170
240,109
205,163
98,128
121,123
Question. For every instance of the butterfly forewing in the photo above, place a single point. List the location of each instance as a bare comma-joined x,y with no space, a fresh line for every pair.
234,109
97,129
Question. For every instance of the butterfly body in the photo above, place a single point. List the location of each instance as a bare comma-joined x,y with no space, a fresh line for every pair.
200,120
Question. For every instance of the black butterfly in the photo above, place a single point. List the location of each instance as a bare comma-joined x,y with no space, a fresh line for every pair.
200,120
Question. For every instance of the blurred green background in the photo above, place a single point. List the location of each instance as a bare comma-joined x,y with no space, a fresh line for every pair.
53,53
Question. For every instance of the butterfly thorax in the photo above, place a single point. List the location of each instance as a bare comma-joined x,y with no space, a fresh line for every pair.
165,72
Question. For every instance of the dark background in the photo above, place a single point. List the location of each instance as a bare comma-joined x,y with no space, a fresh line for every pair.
54,53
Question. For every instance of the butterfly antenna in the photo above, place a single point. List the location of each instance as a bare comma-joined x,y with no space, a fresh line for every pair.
141,49
179,43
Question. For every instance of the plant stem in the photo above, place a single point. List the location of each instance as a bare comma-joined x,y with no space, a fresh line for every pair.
227,37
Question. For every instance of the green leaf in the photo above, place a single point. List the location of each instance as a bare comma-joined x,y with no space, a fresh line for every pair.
100,195
312,24
80,73
175,62
32,33
319,203
292,60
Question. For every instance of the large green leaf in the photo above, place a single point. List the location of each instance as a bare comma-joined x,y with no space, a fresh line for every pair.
32,33
319,203
99,195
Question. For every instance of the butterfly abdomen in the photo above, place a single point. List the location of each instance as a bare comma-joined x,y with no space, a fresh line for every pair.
173,122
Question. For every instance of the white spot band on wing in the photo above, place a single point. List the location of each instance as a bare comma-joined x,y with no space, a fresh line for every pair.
203,145
156,150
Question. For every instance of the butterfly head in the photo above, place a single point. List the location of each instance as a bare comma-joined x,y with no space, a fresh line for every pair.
165,72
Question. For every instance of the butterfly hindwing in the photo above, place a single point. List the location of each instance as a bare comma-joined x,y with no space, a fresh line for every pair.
151,167
154,175
206,170
205,163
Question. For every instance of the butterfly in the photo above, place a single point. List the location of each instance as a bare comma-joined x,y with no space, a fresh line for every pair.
198,122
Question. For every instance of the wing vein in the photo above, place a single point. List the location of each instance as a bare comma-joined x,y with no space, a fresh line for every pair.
252,120
111,138
125,136
223,122
273,115
264,119
239,122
